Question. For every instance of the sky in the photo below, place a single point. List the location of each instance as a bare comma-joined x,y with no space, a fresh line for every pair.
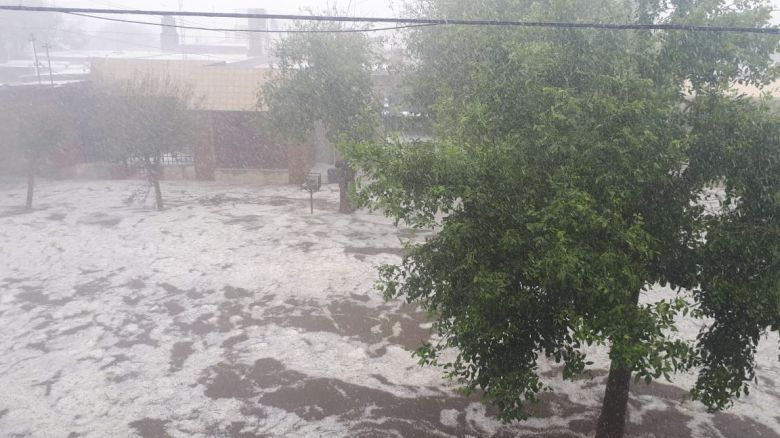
353,7
101,30
375,8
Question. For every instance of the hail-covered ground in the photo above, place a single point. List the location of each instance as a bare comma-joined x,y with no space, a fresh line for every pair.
236,313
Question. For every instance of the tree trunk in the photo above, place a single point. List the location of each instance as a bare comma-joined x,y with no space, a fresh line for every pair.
153,171
30,183
612,420
347,178
157,191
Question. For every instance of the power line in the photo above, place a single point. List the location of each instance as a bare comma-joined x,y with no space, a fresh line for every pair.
122,41
109,3
218,29
407,21
99,32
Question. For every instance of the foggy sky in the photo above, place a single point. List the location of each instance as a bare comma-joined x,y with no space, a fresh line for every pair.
98,29
354,7
376,8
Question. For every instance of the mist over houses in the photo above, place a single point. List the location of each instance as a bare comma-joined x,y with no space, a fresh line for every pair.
223,72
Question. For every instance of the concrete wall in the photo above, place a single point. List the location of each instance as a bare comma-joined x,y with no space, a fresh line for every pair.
94,171
178,172
175,173
118,171
252,176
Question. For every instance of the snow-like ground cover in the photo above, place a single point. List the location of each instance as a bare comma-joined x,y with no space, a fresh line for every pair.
236,313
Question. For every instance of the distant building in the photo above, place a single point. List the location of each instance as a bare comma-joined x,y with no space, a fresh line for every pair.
225,78
231,145
259,41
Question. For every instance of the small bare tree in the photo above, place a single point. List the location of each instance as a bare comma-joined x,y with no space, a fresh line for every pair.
32,131
149,117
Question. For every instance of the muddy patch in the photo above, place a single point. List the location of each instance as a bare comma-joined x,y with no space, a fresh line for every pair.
221,199
242,381
549,404
75,329
92,288
171,289
35,297
304,246
135,330
13,280
100,219
246,219
233,340
189,293
658,389
200,326
279,202
361,252
361,298
135,284
173,308
235,293
369,412
731,425
116,359
179,353
15,211
39,346
661,423
150,428
57,216
406,326
132,299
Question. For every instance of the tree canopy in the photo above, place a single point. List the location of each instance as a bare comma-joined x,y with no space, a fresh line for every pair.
566,179
322,79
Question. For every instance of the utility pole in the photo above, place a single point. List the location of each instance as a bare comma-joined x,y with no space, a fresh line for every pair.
182,37
48,59
35,58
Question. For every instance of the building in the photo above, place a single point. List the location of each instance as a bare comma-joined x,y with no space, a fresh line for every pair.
231,146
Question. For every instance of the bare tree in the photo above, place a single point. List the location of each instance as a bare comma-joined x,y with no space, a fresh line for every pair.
33,122
145,119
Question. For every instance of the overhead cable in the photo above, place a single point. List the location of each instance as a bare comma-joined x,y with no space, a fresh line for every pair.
405,21
218,29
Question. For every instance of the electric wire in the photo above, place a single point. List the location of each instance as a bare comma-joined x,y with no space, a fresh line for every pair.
402,21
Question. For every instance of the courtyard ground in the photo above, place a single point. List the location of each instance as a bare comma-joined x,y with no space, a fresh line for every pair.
236,313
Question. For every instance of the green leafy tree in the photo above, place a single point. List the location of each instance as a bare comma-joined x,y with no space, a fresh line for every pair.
565,181
323,79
